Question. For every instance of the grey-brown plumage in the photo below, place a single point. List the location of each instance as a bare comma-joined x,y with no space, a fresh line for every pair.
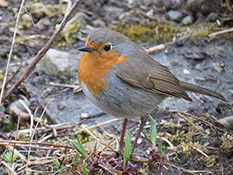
150,75
124,81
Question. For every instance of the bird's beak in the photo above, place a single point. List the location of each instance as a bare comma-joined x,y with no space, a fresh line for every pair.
85,49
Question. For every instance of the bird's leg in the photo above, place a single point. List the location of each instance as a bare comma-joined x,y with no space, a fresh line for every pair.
143,122
122,135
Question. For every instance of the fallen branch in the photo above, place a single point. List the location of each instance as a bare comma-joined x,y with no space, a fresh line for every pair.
163,46
221,32
28,144
43,129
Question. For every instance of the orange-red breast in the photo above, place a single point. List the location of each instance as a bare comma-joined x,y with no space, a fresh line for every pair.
123,80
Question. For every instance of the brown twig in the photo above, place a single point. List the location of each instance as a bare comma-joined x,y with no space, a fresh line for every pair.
11,51
34,144
180,168
163,46
42,52
43,129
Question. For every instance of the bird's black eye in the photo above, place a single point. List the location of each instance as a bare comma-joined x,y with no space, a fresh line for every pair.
108,47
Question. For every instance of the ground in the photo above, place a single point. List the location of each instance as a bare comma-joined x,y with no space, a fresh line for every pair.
192,139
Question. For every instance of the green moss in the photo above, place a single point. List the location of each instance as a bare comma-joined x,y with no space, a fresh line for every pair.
67,36
148,32
39,10
161,31
202,30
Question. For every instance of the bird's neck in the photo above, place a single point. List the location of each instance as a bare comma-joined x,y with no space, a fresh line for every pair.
93,67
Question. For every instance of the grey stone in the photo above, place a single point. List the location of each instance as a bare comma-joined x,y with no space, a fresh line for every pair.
59,63
173,4
175,15
217,67
212,17
113,10
226,122
99,23
187,20
203,6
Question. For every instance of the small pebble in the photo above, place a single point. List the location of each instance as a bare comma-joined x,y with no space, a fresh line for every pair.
185,71
218,67
187,20
61,106
175,15
212,17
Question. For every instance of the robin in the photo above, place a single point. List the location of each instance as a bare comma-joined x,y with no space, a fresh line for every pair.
123,80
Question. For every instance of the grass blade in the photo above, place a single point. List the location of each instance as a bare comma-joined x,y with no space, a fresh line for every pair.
153,133
84,168
126,153
78,147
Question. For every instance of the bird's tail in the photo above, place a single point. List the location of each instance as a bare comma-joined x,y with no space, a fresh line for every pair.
200,90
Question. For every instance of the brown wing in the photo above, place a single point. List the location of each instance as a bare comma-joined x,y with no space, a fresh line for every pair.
151,76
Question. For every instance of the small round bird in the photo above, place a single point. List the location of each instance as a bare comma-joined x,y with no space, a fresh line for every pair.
120,78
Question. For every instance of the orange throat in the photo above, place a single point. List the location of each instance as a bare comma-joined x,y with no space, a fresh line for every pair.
93,66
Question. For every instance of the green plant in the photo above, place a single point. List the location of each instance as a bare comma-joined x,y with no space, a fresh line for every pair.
78,147
11,158
152,136
126,153
57,163
84,168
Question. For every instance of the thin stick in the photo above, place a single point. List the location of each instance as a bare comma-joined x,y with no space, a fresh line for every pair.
42,52
64,85
11,51
221,32
180,168
14,142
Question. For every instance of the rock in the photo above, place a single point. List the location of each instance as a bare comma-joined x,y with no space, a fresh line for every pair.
187,20
61,106
231,91
44,24
3,3
175,15
226,122
173,4
195,55
17,109
218,67
112,10
99,23
111,13
198,66
212,17
59,63
203,6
